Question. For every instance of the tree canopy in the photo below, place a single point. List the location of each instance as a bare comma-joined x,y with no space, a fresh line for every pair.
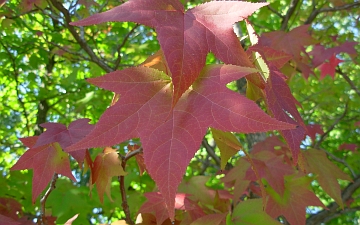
179,112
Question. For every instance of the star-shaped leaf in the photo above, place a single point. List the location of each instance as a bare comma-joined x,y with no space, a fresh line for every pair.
170,138
292,204
328,68
57,132
283,106
182,34
45,160
156,205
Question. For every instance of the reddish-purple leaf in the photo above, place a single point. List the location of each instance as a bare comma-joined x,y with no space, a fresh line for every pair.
293,43
171,138
275,57
8,220
292,204
210,219
320,54
57,132
328,68
237,175
157,206
351,147
45,160
283,106
272,168
181,34
314,129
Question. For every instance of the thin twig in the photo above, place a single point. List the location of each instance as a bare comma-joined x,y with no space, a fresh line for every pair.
323,136
289,13
44,198
316,12
118,49
332,209
211,152
18,94
83,44
346,77
274,11
121,179
333,157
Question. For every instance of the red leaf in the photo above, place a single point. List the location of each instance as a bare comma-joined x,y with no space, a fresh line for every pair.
293,202
283,106
210,219
57,132
351,147
320,54
272,56
10,208
293,43
314,129
157,205
181,34
328,68
4,220
45,160
171,138
270,167
238,174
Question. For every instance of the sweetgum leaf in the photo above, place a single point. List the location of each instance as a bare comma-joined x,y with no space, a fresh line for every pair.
283,106
228,144
237,175
45,160
293,43
170,138
321,54
181,34
57,132
106,165
292,204
8,220
272,168
328,173
314,129
328,68
157,206
210,219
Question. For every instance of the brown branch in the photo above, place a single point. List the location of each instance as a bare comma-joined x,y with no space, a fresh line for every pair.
274,11
83,44
16,77
211,152
121,179
52,186
333,208
316,12
336,159
289,13
323,136
118,49
347,78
